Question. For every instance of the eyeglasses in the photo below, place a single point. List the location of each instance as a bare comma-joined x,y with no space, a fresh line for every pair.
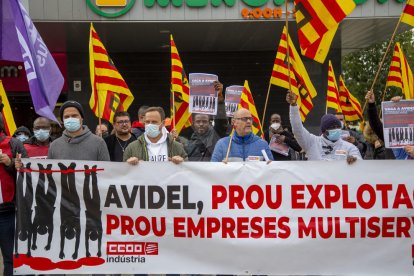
123,122
245,119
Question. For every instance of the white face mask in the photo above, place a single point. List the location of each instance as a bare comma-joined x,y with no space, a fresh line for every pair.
152,130
275,126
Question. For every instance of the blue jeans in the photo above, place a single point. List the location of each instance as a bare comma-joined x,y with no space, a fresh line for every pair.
6,240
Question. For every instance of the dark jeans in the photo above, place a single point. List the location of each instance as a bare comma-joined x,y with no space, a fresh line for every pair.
6,240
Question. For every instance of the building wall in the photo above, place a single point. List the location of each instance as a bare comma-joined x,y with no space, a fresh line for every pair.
77,10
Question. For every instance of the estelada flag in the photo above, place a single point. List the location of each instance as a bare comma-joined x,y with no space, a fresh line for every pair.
110,93
350,106
332,95
247,102
9,124
400,74
317,22
407,15
180,88
301,84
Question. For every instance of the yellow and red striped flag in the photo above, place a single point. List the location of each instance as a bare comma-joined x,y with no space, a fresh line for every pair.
9,124
317,22
181,89
301,84
110,93
246,101
332,96
407,15
400,74
350,106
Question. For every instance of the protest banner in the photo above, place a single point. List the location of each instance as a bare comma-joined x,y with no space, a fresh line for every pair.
232,99
398,121
203,96
214,218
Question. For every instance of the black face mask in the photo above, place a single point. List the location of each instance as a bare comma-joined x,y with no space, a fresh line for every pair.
105,134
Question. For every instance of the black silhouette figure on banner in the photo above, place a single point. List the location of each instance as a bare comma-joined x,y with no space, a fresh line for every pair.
411,134
45,207
93,211
69,210
24,214
397,134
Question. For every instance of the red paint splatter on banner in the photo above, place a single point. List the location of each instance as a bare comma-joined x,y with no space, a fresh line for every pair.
45,264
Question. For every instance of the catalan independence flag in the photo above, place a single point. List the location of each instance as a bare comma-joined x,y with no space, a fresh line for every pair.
317,22
110,93
332,95
350,106
407,15
9,124
181,89
301,84
400,74
246,101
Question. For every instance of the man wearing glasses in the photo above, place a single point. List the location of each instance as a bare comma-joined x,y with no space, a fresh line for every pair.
121,138
245,146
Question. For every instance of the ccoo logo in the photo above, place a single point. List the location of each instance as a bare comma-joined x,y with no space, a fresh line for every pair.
99,6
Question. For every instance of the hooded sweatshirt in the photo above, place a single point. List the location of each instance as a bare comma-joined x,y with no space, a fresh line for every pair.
158,151
318,147
86,146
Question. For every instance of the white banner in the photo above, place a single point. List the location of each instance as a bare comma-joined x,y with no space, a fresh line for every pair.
212,218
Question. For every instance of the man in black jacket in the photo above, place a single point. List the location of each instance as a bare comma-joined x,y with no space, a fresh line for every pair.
122,137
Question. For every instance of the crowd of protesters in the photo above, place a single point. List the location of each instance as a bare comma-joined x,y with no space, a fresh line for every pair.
148,139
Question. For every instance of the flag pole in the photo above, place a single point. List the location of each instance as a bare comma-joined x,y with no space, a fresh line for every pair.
383,98
383,60
228,148
100,115
287,44
267,99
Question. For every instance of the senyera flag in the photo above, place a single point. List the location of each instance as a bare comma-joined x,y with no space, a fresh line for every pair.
300,83
317,22
407,15
400,74
332,95
246,101
110,93
8,119
180,88
20,41
350,106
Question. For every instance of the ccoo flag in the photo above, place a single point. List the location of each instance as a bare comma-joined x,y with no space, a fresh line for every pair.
110,93
246,101
400,74
25,44
317,22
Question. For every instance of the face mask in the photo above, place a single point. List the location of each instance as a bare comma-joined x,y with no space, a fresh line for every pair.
152,130
334,134
42,134
71,124
275,126
342,124
105,134
22,137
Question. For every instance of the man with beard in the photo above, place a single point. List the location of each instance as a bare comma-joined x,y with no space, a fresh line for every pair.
201,144
122,137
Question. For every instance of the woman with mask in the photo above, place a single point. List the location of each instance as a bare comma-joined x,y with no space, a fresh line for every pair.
329,145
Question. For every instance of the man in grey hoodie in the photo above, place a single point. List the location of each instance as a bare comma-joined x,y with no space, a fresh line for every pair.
77,141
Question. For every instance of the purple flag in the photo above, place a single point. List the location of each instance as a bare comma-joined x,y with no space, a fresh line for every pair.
44,77
8,38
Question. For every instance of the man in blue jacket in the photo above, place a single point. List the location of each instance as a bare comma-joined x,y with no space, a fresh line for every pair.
245,145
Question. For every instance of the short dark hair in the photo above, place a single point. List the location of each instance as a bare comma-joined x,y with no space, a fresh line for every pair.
158,109
121,114
196,114
142,110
